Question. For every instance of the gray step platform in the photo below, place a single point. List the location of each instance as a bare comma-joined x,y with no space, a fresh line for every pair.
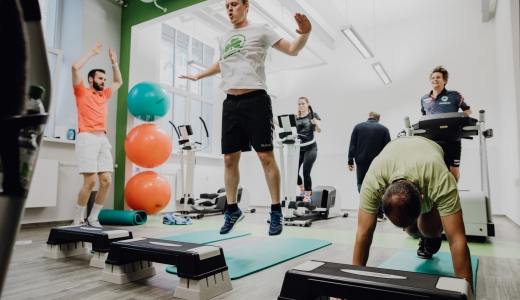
67,241
315,279
202,268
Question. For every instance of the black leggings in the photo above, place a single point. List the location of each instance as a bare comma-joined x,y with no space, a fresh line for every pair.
307,158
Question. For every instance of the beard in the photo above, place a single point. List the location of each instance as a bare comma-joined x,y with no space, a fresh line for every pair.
98,87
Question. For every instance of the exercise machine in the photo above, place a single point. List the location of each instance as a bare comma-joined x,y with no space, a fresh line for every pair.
476,205
320,280
208,203
295,210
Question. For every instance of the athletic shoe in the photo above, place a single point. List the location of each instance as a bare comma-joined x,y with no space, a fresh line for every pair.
275,225
302,192
381,218
93,223
80,223
421,253
428,247
433,245
308,199
231,220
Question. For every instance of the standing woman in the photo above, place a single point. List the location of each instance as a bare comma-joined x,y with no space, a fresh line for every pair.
306,124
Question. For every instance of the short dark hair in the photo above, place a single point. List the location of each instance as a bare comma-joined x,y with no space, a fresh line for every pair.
374,115
402,203
245,1
443,71
92,73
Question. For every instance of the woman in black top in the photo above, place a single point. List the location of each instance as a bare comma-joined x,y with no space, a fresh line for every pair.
306,124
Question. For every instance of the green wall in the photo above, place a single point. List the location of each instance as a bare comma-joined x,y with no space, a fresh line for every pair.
135,13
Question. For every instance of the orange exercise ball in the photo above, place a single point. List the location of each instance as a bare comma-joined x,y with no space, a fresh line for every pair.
148,145
148,191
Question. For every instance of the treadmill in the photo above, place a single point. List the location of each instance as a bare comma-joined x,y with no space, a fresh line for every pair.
476,205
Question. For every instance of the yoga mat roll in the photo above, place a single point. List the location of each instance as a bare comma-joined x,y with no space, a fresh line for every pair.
122,217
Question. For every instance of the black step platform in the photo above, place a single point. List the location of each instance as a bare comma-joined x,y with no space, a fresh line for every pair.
67,241
202,268
315,279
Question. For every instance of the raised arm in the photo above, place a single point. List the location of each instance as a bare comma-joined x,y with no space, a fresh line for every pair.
118,79
365,232
454,229
212,70
294,47
76,67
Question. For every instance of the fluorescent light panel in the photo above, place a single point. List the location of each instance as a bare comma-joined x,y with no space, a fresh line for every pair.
356,40
381,72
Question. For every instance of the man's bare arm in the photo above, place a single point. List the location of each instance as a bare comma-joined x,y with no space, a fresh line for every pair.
294,47
118,79
456,234
212,70
365,232
76,67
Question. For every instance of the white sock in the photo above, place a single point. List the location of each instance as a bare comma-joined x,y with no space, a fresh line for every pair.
80,214
95,212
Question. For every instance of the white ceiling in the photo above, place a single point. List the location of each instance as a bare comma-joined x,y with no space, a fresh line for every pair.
367,16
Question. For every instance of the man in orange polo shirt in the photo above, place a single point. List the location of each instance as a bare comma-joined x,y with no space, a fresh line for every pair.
92,146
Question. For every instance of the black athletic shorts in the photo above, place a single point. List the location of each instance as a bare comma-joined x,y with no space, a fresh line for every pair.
247,120
452,151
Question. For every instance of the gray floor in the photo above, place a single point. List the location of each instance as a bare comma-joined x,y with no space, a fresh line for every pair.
32,276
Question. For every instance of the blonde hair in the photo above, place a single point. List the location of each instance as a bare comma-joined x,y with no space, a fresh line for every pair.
308,104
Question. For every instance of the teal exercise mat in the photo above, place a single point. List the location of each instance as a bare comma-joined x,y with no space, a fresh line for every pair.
122,217
441,264
205,237
256,257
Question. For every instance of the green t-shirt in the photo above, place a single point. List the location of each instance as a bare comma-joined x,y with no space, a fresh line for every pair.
418,160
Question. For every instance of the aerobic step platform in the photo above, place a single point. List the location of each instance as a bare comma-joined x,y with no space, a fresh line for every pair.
315,279
202,269
67,241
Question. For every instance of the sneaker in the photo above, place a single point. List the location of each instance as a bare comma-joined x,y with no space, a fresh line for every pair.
381,218
231,220
433,245
302,192
93,223
307,199
80,223
428,247
275,225
421,252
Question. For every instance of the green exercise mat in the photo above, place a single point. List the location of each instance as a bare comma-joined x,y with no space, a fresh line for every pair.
441,264
122,217
256,257
205,237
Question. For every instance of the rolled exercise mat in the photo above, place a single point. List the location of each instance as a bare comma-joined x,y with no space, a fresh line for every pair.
122,217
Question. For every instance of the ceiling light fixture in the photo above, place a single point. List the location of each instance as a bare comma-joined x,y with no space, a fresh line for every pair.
381,72
355,39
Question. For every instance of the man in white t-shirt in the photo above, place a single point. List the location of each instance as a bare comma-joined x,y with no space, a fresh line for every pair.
247,113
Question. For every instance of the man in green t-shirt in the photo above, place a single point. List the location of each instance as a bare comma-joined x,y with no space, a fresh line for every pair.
419,195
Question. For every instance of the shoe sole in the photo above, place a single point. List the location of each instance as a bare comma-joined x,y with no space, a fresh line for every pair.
238,220
276,233
424,257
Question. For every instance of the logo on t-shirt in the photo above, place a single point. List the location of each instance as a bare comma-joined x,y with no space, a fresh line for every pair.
233,45
444,98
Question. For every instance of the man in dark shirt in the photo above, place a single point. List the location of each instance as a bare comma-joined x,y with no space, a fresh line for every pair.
439,101
367,140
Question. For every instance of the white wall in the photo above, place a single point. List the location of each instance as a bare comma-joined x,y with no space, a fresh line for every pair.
507,81
85,23
343,93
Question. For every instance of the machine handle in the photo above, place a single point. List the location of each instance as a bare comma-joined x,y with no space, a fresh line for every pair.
482,117
407,122
205,128
176,131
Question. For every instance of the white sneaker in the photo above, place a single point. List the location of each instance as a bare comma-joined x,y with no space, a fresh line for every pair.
93,223
79,223
381,219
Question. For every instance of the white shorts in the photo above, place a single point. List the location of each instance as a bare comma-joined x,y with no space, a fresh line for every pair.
93,153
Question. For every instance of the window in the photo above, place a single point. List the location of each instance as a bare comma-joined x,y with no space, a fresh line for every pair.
49,12
190,99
